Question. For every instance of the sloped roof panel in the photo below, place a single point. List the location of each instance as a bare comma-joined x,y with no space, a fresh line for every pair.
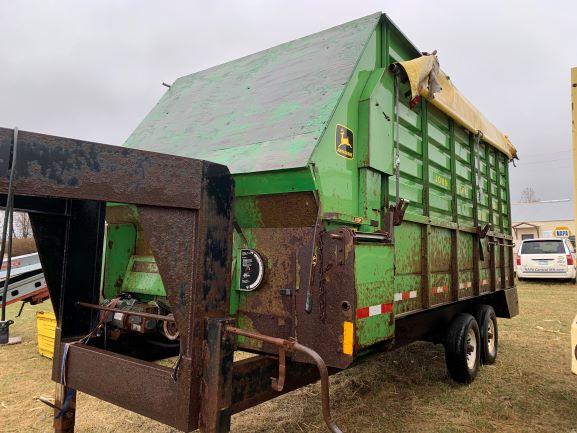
262,112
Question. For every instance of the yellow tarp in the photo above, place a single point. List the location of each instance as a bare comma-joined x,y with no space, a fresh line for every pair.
427,80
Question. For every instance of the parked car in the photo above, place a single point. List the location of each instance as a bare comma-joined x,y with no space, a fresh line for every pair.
546,258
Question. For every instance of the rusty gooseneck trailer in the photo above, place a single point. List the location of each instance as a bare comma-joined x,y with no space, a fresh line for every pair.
354,202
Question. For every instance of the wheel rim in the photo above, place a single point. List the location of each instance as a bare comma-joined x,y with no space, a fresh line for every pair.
491,343
471,349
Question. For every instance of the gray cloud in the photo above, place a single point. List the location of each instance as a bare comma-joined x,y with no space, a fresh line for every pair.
93,69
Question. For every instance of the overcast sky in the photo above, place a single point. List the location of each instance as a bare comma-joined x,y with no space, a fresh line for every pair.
93,69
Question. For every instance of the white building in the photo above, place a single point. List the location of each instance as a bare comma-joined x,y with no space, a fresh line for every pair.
543,219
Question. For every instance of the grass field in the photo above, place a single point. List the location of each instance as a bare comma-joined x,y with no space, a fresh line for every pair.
530,389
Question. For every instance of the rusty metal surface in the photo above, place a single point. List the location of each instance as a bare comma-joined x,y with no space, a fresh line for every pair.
292,345
334,299
251,383
217,377
70,248
289,265
139,386
297,209
184,207
51,166
287,253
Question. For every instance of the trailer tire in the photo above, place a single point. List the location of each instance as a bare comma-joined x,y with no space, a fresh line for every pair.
487,321
462,348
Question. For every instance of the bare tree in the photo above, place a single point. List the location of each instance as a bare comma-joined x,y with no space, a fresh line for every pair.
528,195
22,225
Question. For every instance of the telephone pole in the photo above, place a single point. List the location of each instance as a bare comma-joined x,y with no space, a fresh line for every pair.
574,135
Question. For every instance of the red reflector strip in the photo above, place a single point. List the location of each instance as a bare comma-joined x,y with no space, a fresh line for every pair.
405,296
362,313
386,308
440,289
374,310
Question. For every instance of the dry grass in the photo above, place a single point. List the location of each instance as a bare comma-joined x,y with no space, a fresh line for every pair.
530,389
21,246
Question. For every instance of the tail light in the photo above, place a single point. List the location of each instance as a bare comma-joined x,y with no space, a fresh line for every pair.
569,259
518,260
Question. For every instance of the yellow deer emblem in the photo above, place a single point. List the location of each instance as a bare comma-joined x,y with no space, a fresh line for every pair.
344,142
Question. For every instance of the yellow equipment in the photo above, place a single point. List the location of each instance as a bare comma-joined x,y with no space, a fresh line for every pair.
46,328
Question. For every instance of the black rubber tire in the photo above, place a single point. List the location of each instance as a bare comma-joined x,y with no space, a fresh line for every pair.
484,314
456,348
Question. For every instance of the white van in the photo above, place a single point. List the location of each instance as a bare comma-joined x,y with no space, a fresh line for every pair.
546,258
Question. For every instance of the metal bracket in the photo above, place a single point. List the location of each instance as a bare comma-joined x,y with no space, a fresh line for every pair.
482,233
278,383
393,217
399,211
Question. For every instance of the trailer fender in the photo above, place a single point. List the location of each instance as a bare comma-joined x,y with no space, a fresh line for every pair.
506,303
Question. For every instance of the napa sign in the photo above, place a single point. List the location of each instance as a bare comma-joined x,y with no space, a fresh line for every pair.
562,232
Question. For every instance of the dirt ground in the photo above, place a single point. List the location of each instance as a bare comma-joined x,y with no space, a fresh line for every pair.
530,389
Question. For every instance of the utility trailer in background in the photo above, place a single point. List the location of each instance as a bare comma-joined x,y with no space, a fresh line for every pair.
350,207
27,283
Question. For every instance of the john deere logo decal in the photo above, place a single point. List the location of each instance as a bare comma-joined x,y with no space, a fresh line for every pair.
344,142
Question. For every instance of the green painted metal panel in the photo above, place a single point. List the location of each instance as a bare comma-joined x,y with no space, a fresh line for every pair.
411,156
370,197
338,177
374,279
440,250
408,265
262,112
119,248
274,182
142,277
408,247
375,125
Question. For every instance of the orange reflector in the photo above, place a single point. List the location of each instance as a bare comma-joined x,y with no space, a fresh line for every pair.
348,338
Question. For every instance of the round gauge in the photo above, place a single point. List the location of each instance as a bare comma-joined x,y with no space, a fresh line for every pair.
251,270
